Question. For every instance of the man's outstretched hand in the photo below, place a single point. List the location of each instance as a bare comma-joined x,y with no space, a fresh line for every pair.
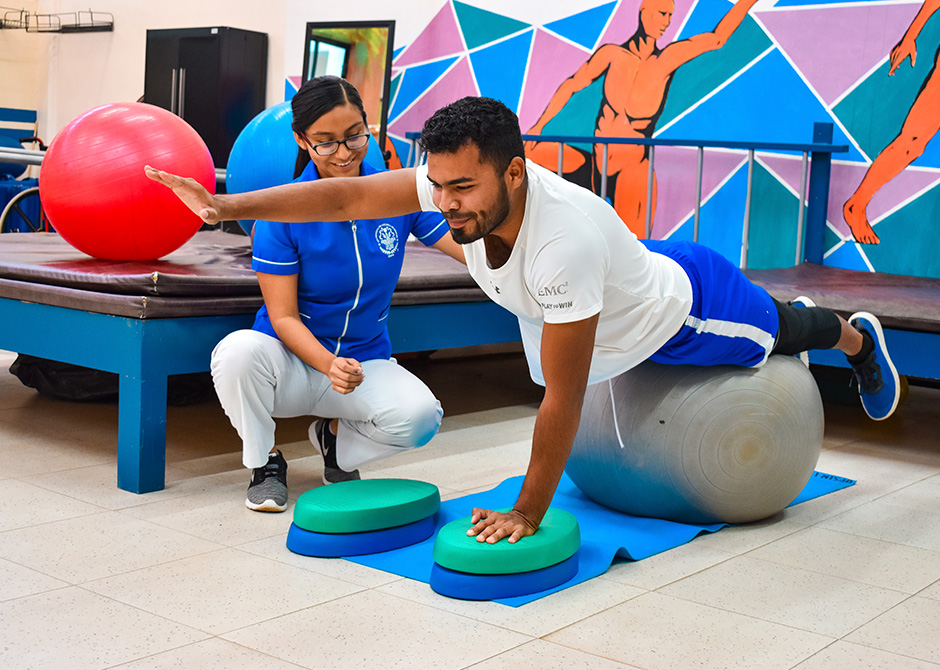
491,527
191,192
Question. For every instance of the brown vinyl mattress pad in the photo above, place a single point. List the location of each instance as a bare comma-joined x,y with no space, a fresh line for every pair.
209,275
900,302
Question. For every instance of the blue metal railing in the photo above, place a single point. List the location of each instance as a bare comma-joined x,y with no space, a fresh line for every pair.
815,193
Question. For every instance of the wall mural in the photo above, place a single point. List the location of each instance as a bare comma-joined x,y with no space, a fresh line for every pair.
635,77
713,69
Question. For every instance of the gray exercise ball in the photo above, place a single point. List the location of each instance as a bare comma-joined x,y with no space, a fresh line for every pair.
699,444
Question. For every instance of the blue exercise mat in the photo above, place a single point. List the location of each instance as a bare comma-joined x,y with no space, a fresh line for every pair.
605,533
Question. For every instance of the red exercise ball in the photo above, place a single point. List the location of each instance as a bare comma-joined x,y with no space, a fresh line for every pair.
93,187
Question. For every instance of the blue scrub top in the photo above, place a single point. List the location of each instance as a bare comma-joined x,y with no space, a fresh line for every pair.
347,273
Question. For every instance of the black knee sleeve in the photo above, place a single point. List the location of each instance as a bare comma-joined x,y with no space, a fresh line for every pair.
805,328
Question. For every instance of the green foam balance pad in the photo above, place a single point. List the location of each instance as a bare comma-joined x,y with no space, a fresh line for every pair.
557,539
366,505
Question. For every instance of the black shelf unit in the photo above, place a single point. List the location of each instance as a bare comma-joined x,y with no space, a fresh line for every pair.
214,78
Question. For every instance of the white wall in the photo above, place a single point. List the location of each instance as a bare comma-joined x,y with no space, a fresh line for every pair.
410,16
63,75
22,69
90,69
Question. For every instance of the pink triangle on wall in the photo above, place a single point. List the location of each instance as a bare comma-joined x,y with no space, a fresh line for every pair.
456,84
787,168
845,178
551,61
675,182
440,38
862,36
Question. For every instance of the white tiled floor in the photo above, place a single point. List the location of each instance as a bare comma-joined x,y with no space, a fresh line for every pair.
94,577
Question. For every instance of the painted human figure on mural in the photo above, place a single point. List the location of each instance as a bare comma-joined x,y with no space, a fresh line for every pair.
638,75
921,124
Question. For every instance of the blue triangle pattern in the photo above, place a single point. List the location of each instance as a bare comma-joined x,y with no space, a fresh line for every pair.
685,231
415,81
402,148
480,26
768,103
500,69
584,28
578,116
847,256
721,219
704,17
289,89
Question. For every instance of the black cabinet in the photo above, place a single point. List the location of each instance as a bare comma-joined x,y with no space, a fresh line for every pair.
214,78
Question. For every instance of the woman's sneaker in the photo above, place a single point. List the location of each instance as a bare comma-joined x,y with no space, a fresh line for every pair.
268,489
878,382
325,441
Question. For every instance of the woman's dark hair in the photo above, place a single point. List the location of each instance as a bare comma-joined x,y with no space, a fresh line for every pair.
315,98
485,122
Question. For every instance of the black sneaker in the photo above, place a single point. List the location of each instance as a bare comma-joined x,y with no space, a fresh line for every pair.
268,489
325,441
878,382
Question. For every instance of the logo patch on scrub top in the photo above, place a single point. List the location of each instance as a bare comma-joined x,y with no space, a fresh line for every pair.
387,237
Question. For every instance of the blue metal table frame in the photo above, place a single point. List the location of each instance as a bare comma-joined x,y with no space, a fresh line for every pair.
144,352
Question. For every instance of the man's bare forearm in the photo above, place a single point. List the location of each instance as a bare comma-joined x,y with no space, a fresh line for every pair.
337,199
555,428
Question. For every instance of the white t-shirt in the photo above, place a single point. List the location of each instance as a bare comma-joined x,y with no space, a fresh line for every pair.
574,257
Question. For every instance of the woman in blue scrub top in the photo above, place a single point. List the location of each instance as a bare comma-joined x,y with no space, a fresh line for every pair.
319,345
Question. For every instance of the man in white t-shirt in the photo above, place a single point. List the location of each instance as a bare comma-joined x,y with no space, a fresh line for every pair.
592,300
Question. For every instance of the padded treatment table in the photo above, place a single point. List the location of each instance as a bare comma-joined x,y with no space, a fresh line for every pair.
908,308
148,320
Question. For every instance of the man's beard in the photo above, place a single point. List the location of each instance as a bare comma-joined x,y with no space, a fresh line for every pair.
486,222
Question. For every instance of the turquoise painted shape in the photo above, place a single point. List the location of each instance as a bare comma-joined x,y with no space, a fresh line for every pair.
393,87
875,110
584,28
769,103
481,27
500,68
721,219
702,75
846,256
415,81
909,239
579,115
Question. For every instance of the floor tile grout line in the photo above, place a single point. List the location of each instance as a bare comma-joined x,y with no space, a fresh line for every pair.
751,616
826,574
63,587
360,589
192,644
38,524
814,654
847,534
319,574
450,612
874,618
122,573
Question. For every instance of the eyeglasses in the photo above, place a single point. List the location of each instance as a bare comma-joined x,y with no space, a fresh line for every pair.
329,148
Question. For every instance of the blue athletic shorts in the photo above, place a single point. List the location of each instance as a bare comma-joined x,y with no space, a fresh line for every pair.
732,322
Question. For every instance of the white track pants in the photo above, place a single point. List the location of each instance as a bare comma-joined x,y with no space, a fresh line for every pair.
257,379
